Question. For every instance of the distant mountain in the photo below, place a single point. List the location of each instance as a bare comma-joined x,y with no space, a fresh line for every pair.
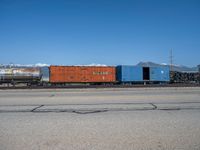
23,65
175,67
180,68
149,64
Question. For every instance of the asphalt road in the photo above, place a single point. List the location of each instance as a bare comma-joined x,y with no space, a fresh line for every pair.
135,118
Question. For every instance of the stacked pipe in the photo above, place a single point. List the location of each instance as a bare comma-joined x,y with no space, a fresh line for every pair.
184,77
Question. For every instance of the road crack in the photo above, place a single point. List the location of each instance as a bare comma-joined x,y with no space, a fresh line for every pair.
36,108
155,107
88,111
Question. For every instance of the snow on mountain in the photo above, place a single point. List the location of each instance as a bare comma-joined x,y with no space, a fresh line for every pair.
44,65
25,65
165,64
41,65
93,64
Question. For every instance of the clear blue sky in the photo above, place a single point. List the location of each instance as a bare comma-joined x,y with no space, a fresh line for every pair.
99,31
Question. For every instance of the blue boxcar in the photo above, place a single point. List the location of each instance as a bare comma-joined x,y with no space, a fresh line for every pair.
159,74
127,73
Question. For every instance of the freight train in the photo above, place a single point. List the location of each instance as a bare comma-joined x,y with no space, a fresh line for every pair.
122,74
64,75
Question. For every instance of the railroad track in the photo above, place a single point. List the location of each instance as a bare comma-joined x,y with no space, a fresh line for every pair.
100,86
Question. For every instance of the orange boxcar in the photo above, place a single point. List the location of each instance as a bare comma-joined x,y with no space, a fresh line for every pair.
82,74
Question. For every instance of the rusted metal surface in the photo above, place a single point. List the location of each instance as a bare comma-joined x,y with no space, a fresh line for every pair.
82,74
19,74
5,71
26,71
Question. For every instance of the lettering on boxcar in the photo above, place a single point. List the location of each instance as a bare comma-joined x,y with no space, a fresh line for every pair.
100,73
